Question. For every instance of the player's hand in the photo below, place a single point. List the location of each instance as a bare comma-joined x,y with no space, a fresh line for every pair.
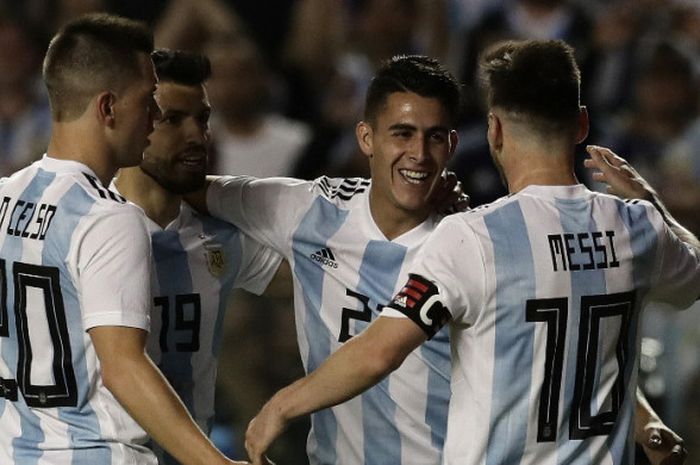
622,179
448,196
262,431
661,445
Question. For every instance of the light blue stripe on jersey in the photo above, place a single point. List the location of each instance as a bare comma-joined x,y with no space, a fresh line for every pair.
643,242
225,234
174,278
436,353
515,281
322,221
575,216
381,263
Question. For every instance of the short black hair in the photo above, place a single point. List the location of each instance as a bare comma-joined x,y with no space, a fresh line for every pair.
419,74
90,54
181,67
538,78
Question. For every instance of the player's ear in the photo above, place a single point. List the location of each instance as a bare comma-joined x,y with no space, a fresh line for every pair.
495,132
105,108
363,133
583,125
454,140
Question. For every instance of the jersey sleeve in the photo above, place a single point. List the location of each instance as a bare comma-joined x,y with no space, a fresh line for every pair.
446,280
114,265
265,209
678,277
258,265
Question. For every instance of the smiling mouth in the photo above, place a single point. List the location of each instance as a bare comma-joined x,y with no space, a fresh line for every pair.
193,159
414,177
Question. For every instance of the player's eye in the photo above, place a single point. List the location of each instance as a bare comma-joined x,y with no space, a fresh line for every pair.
171,119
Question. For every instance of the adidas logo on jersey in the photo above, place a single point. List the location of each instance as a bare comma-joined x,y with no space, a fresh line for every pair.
324,257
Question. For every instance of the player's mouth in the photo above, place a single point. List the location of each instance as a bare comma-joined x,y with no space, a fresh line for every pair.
414,177
194,159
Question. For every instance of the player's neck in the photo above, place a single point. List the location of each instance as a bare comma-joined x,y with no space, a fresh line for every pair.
545,173
159,204
393,221
70,142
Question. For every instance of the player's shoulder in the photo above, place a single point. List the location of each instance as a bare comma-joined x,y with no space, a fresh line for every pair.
477,213
340,190
191,218
104,200
631,209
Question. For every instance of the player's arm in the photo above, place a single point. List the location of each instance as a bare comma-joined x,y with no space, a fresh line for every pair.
138,385
661,445
624,181
359,364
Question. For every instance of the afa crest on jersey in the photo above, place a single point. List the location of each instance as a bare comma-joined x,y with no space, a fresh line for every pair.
216,260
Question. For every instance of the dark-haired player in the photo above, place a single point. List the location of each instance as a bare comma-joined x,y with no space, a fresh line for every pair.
348,242
198,259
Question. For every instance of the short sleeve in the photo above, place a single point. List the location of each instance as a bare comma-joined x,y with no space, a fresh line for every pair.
258,267
114,270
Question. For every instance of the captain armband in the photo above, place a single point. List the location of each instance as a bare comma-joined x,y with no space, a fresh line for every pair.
419,301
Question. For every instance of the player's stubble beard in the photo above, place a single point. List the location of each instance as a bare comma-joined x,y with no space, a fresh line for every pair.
165,174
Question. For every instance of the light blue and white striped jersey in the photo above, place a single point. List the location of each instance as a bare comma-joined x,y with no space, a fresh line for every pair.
344,271
73,256
199,260
545,289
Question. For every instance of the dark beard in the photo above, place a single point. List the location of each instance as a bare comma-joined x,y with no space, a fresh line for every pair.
182,186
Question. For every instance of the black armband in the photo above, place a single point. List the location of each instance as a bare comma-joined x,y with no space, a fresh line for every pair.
419,300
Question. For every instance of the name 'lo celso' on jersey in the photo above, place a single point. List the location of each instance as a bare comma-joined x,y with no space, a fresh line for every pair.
543,290
73,256
345,270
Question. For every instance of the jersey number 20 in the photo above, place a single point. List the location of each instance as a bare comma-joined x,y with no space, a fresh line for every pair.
44,279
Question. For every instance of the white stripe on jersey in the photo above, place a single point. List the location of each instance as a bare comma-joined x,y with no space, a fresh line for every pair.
344,271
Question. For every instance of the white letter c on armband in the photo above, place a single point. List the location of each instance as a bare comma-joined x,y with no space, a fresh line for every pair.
427,305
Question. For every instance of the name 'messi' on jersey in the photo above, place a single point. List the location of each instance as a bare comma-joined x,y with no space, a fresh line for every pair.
26,219
590,250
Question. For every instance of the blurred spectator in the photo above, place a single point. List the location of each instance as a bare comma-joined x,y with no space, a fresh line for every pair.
664,106
335,47
25,119
520,19
508,19
189,25
249,138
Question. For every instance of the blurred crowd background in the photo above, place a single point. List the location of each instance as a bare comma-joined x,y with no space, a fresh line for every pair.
287,88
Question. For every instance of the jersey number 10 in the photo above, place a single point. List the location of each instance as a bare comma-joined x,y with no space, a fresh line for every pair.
554,313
